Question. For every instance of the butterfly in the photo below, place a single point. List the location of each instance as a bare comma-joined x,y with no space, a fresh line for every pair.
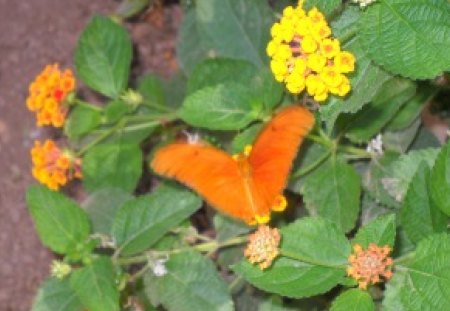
249,185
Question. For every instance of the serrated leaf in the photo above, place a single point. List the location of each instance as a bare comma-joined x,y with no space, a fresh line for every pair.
392,300
313,254
102,206
325,6
418,48
95,285
424,283
103,56
56,295
420,217
222,107
190,284
236,29
141,222
343,26
112,165
380,231
365,82
440,180
401,171
369,121
60,222
333,192
353,300
81,121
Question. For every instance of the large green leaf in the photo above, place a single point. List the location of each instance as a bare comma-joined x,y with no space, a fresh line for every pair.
365,83
440,180
227,106
103,56
333,192
60,222
380,231
353,300
313,257
81,121
56,295
95,285
369,121
152,89
112,165
236,28
420,217
423,284
408,37
141,222
325,6
190,284
102,206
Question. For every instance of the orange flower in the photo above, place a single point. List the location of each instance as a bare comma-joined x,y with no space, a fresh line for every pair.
262,248
52,166
47,95
367,267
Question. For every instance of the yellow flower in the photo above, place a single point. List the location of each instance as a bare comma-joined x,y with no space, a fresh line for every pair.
301,47
47,94
262,248
52,166
369,266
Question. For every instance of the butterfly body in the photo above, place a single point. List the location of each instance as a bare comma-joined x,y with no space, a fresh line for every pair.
247,185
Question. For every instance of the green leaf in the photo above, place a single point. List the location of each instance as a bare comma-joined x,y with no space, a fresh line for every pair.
333,192
309,265
420,217
81,121
152,89
369,121
112,165
190,284
246,137
103,56
60,222
401,171
344,25
440,180
268,90
236,28
380,231
365,83
130,8
227,227
423,284
141,222
418,48
401,140
222,107
115,110
353,300
56,295
102,206
95,285
325,6
275,303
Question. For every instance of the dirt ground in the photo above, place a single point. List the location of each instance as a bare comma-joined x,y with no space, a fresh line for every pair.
34,33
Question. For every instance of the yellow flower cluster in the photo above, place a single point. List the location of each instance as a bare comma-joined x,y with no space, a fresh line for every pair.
368,266
304,56
52,166
47,94
262,248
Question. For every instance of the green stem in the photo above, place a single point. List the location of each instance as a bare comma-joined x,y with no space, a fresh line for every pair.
85,104
308,260
157,106
355,151
99,139
306,170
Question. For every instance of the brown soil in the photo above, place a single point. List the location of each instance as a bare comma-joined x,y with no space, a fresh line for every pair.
34,33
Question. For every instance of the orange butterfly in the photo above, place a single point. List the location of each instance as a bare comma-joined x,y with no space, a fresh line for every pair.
248,185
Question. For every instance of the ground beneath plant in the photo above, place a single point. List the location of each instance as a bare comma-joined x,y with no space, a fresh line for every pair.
34,33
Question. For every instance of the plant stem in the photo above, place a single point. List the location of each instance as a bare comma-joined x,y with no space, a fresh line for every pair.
311,167
85,104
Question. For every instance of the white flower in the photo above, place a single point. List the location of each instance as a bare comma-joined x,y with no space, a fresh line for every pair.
159,268
376,145
363,3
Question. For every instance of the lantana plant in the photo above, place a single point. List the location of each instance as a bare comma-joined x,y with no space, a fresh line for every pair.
362,222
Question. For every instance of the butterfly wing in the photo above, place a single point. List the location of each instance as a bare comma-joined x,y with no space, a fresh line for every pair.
275,149
212,173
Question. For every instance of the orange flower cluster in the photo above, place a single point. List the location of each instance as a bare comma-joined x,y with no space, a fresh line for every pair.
48,93
52,166
263,245
367,266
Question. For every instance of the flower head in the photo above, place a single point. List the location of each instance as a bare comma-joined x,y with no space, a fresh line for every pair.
60,269
47,95
304,56
363,3
262,248
368,266
52,166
